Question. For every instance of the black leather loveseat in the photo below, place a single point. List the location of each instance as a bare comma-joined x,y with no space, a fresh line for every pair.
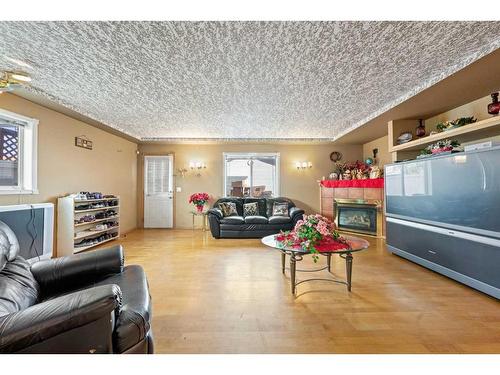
256,226
85,303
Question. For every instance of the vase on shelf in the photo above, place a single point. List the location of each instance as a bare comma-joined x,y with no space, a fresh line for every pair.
494,106
199,208
420,130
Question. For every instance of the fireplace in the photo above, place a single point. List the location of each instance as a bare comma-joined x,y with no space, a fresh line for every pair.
358,216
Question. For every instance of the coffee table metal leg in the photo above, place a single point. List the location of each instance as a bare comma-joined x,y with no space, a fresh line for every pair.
283,259
292,272
348,265
329,262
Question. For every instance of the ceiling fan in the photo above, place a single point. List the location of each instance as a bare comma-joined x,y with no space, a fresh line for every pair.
10,81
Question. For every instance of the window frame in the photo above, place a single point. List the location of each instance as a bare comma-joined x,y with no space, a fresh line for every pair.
27,155
251,155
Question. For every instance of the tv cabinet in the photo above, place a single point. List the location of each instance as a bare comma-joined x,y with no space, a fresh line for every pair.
470,259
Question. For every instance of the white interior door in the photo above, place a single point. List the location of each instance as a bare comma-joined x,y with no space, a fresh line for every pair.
158,192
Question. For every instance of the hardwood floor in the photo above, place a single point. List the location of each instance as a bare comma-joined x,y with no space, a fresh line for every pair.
229,296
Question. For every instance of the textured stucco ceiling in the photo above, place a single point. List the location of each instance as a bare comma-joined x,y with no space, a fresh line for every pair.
239,79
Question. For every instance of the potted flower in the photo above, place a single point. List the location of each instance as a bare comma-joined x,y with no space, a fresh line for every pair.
314,233
440,147
199,200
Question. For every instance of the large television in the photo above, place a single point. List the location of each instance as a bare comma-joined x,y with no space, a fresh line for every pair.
457,191
33,225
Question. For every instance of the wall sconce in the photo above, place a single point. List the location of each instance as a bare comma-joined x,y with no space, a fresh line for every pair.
197,166
303,165
182,171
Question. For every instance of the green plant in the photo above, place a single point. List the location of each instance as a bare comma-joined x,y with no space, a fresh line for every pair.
447,125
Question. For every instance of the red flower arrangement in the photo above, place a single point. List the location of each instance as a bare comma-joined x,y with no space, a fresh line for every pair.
315,234
199,200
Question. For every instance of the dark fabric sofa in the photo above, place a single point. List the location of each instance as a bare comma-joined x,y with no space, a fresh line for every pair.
252,226
85,303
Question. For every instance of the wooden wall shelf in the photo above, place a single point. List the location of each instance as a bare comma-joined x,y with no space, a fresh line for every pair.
479,130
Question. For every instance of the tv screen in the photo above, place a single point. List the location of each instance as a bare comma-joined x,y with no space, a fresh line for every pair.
459,191
32,225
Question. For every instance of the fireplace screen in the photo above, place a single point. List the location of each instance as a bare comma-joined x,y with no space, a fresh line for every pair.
359,218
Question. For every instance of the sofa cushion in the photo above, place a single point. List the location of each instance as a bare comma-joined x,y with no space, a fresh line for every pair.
270,203
236,200
250,209
233,220
280,220
280,209
9,246
261,204
256,220
18,287
228,209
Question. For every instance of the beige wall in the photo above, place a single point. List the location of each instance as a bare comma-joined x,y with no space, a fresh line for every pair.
383,155
111,167
300,186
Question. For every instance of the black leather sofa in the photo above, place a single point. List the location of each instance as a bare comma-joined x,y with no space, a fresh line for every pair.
85,303
252,226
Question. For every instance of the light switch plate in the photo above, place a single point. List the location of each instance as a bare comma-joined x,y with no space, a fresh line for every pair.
178,189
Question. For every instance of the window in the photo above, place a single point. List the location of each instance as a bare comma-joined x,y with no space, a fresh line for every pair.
18,153
251,174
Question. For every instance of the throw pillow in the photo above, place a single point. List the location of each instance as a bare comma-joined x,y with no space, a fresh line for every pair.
228,209
280,209
250,209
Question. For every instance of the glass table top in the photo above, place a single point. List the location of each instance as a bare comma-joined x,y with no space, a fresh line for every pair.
356,243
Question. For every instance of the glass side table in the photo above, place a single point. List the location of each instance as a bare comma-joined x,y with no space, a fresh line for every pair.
204,219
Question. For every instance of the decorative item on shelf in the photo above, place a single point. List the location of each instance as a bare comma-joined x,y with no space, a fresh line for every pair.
494,106
440,147
405,137
357,170
303,165
197,166
335,156
375,172
333,176
369,161
420,129
459,122
314,233
199,200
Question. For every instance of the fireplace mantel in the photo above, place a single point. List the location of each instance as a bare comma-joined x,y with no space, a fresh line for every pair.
376,183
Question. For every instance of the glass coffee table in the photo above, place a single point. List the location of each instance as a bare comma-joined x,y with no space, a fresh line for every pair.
296,255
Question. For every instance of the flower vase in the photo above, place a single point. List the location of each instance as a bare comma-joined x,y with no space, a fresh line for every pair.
199,208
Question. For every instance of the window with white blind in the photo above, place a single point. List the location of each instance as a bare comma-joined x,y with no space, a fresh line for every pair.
157,175
251,174
18,154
